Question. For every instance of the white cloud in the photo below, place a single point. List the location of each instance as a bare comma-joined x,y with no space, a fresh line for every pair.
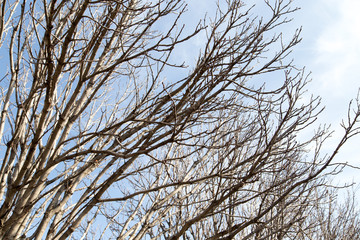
337,48
335,67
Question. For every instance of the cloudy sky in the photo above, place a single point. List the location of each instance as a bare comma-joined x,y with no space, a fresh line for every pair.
330,51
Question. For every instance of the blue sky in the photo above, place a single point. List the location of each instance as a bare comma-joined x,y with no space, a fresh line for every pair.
330,50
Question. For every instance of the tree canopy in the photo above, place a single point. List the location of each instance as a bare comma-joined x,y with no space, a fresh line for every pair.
106,134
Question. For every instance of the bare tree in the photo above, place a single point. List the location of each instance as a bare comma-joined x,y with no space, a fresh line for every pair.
330,217
105,135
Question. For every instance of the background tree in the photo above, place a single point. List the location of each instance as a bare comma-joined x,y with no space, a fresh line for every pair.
100,138
336,219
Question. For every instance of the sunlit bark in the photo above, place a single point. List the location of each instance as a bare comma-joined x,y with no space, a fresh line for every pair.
101,137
